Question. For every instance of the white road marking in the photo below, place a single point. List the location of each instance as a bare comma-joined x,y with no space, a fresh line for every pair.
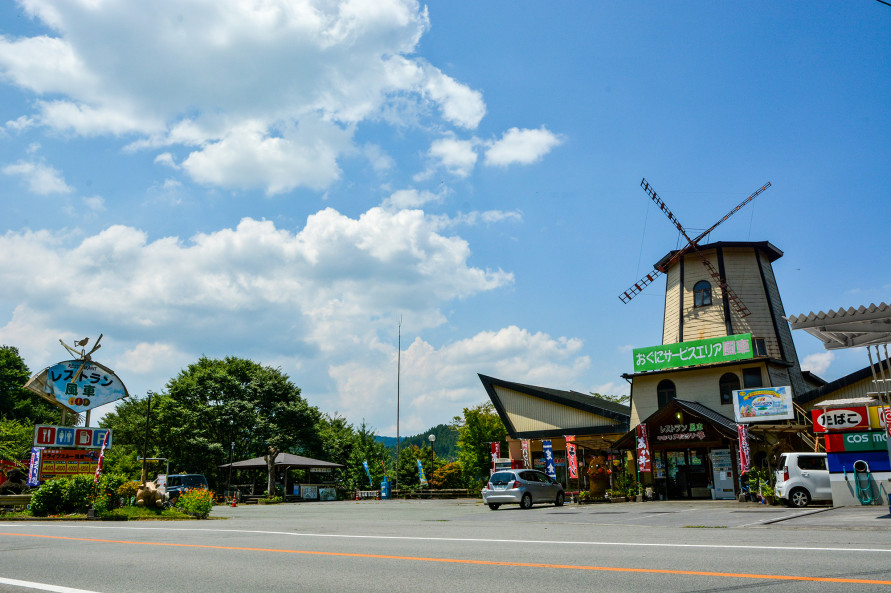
459,539
42,586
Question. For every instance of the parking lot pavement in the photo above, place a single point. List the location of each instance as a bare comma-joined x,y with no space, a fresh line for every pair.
661,514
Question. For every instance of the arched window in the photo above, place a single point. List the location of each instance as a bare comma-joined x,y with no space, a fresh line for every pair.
727,385
702,294
665,392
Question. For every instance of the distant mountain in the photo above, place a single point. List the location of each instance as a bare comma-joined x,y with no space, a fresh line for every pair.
445,446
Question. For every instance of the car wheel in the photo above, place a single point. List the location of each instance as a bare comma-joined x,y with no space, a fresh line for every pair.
799,497
526,501
560,498
494,505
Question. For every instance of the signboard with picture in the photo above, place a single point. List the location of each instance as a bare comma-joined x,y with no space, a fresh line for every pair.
78,385
682,354
763,404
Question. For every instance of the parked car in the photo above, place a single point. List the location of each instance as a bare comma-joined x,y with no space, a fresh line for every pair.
522,486
803,478
178,484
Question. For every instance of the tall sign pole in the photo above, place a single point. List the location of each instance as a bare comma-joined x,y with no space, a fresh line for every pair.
148,417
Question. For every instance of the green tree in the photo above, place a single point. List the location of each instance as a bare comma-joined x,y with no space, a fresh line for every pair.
128,428
16,402
337,439
16,437
409,477
216,402
366,449
478,427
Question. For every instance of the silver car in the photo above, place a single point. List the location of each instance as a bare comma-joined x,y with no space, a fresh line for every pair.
802,478
522,486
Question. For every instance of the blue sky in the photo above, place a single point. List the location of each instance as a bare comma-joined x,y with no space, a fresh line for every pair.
285,181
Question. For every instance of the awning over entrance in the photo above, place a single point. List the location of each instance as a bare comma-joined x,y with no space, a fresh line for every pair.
847,328
682,423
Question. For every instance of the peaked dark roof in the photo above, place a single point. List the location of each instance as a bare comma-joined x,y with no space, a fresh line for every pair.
708,413
618,413
282,460
766,247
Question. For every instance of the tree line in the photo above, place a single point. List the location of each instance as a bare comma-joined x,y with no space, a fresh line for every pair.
227,409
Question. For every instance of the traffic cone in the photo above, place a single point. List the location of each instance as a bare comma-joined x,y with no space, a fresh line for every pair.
234,503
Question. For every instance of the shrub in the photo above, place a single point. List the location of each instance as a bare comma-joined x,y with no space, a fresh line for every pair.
109,484
79,493
196,501
448,476
128,490
50,499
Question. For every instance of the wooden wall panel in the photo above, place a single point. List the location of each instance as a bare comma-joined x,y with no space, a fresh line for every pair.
528,413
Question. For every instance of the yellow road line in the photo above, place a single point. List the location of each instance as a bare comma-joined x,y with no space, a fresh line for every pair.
774,577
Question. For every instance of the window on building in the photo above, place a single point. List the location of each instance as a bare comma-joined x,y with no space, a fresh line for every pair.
727,385
665,392
752,378
760,346
702,294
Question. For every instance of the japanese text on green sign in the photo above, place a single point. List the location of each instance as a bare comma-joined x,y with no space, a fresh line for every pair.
710,350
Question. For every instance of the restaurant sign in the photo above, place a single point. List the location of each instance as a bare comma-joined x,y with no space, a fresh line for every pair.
763,404
682,354
78,385
694,431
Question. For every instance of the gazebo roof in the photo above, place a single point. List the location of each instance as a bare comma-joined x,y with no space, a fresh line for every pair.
282,460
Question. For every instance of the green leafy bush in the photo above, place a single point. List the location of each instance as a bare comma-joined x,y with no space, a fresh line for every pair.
79,494
197,502
50,499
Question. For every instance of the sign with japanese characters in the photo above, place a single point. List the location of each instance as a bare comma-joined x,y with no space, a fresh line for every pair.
745,456
78,385
877,416
46,435
682,354
763,404
55,463
692,431
643,449
550,468
854,418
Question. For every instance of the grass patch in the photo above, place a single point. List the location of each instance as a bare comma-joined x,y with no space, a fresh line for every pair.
143,514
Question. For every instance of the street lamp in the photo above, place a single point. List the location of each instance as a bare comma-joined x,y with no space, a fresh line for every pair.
432,439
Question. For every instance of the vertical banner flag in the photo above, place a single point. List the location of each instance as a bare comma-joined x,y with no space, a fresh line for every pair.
495,449
744,458
101,457
368,473
421,474
571,461
34,467
526,463
643,449
550,468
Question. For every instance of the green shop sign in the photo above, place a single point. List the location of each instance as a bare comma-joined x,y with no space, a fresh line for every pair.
682,354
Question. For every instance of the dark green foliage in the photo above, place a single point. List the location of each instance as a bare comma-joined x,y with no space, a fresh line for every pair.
447,477
409,477
480,426
16,402
445,446
217,402
366,447
64,495
16,438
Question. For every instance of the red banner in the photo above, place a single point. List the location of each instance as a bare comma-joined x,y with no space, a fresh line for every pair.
643,449
495,449
101,458
527,460
744,457
572,461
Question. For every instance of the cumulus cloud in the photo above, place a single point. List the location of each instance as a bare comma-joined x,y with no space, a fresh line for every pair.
40,178
817,363
521,146
411,198
440,382
169,73
458,157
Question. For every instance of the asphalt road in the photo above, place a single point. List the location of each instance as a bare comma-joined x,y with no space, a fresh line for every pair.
422,546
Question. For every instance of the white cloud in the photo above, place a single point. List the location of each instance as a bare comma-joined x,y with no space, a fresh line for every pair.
41,179
411,198
166,159
173,73
95,203
817,363
456,156
521,146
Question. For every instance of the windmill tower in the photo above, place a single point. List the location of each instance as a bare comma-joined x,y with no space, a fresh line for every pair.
723,289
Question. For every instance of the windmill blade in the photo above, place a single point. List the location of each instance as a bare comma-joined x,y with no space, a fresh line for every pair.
638,286
732,297
732,212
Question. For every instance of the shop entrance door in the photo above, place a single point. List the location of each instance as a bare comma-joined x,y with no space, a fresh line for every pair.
687,473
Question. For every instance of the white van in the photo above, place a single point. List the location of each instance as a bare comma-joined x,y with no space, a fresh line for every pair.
803,478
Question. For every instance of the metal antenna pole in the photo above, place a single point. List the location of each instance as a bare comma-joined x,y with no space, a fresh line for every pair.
398,374
148,417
